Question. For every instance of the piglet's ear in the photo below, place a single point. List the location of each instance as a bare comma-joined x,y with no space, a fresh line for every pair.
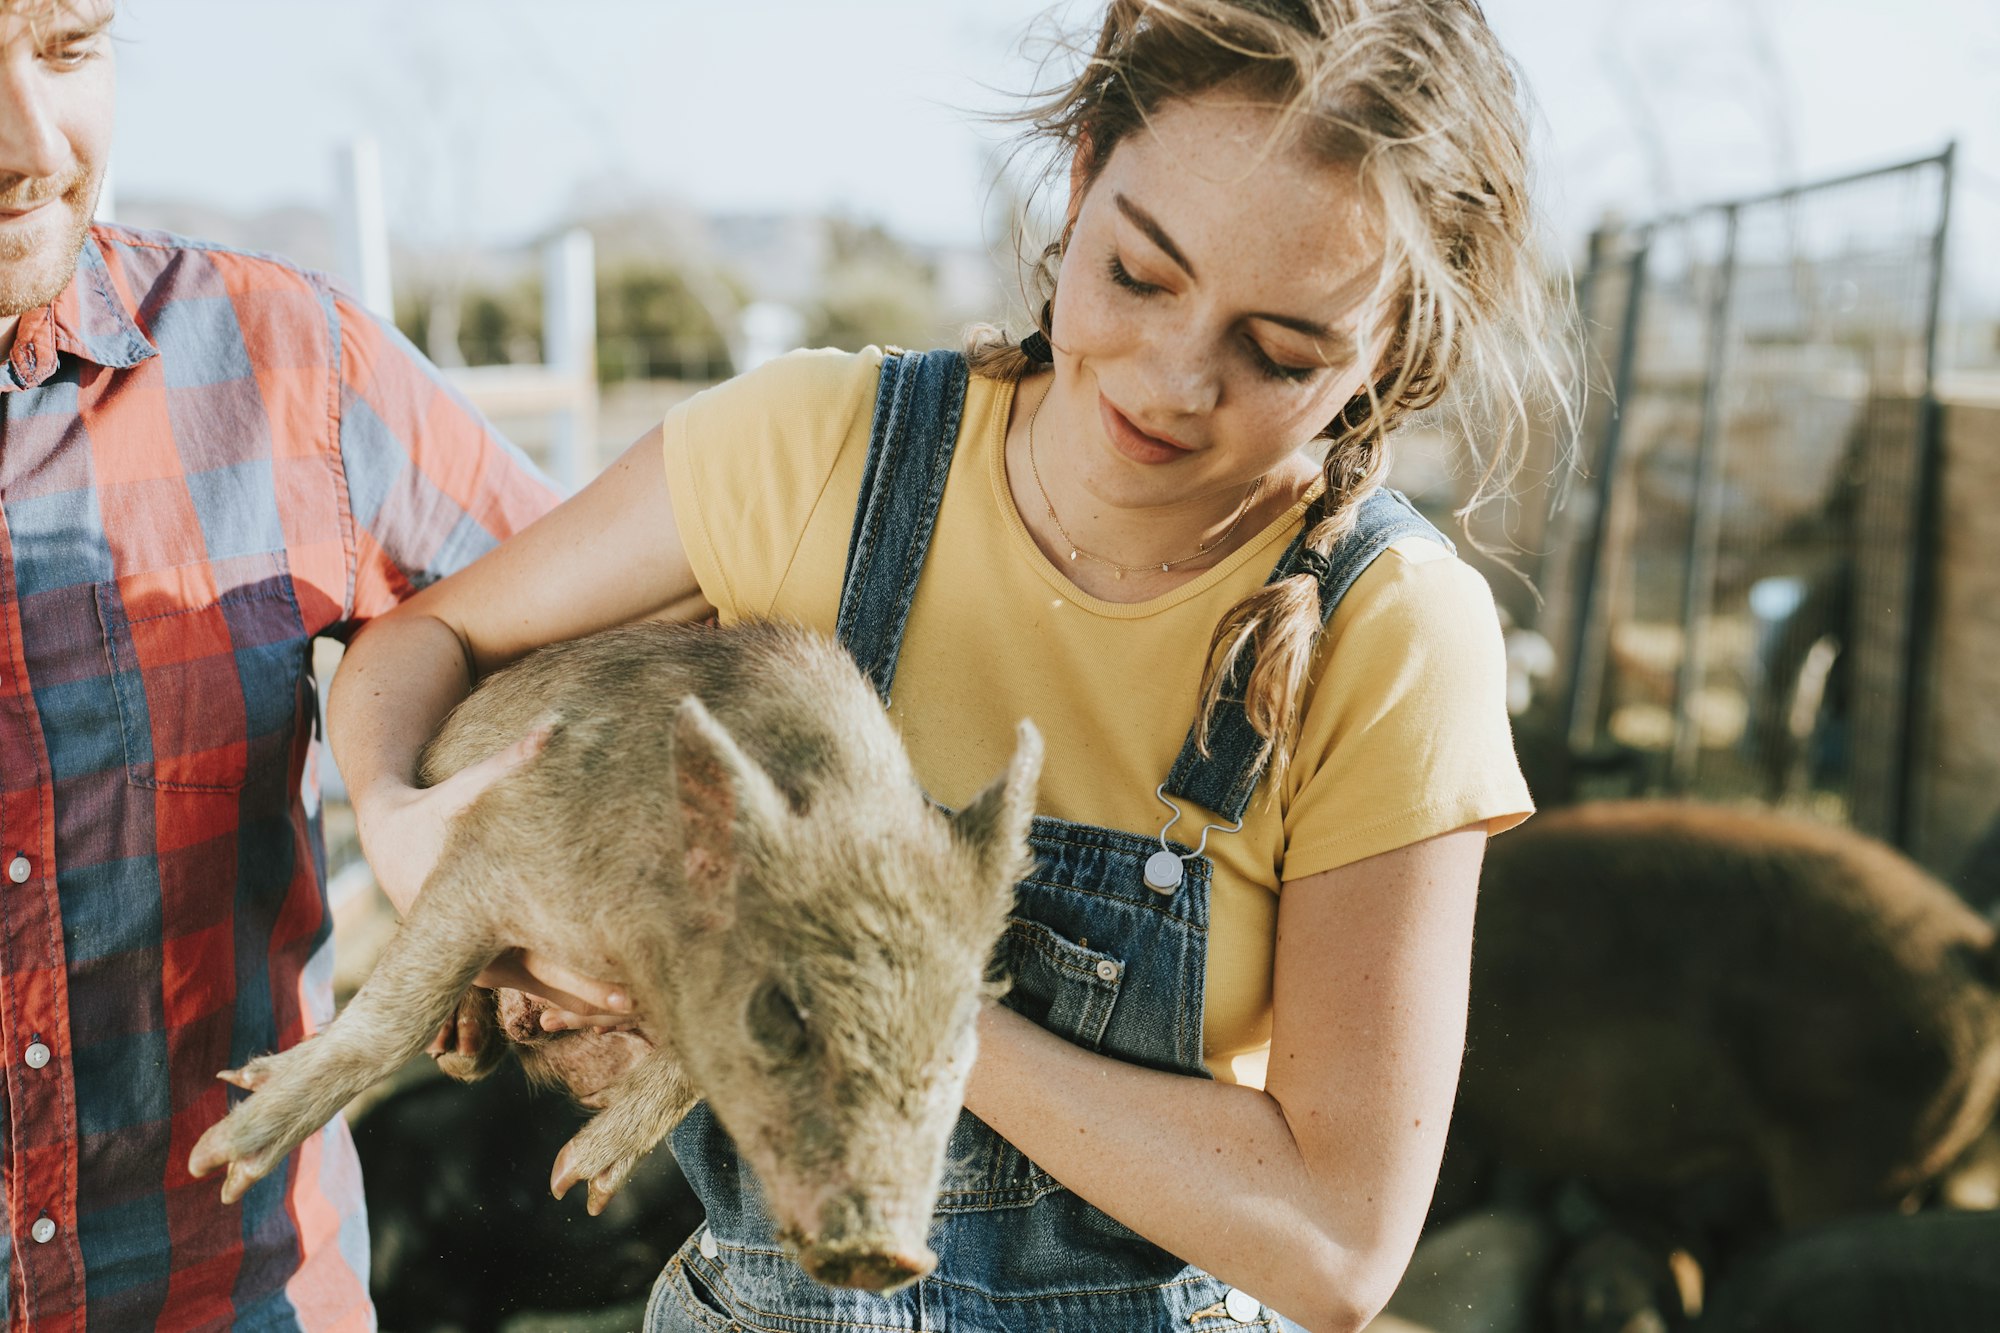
994,825
726,803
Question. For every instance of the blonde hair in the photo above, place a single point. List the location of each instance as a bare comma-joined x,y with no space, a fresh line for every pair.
1418,99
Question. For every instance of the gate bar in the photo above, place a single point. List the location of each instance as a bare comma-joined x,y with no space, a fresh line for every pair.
1705,539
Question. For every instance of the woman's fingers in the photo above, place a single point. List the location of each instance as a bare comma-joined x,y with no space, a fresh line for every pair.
403,830
573,990
564,1020
589,1000
461,789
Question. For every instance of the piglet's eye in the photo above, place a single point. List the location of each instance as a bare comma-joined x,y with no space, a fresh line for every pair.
776,1022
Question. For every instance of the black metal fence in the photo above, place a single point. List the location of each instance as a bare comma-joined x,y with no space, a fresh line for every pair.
1748,562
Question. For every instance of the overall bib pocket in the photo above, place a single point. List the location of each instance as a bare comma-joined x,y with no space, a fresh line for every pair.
1065,987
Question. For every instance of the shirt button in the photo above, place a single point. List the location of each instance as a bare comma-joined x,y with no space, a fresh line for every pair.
1242,1306
708,1245
19,869
1107,970
44,1230
37,1055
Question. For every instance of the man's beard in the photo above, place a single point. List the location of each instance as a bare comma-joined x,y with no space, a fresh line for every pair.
34,269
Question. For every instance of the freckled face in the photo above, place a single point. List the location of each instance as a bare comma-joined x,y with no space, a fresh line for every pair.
56,101
1213,306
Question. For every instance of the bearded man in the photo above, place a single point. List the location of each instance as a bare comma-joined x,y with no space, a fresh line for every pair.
207,459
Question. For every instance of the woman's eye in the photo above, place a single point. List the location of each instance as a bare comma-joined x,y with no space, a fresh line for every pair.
1277,370
1123,277
69,55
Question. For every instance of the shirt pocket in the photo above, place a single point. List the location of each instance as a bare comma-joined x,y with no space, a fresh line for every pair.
208,665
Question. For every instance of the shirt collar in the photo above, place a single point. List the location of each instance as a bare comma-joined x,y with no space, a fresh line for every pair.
89,319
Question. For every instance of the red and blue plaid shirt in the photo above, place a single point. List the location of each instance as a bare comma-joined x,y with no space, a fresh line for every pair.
206,460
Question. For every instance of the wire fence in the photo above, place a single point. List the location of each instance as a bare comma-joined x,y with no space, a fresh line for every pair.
1745,600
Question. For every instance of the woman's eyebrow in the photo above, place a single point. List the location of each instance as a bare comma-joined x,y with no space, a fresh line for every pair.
1144,221
1352,291
81,20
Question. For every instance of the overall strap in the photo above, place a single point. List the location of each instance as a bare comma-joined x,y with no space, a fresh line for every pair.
1223,781
917,411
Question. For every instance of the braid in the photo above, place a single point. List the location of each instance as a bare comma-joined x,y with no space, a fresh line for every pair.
1279,624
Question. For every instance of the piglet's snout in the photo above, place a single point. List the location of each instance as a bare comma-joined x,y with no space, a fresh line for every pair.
866,1264
859,1245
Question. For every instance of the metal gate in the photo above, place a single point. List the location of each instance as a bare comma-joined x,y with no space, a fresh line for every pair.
1746,602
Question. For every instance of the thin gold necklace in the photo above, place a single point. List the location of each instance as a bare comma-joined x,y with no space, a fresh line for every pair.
1118,570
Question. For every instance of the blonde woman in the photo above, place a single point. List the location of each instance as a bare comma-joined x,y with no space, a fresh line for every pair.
1273,697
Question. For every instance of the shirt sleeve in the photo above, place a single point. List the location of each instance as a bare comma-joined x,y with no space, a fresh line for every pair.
431,485
749,461
1406,733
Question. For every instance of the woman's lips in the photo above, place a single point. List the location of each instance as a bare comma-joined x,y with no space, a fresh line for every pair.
1134,443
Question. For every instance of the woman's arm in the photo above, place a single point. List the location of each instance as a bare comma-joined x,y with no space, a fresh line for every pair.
1310,1194
610,554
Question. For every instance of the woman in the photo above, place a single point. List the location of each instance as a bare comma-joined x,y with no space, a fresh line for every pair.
1290,223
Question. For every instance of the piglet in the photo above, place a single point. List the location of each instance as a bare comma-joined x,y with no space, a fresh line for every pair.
726,821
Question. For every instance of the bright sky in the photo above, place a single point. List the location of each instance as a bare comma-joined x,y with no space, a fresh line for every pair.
497,116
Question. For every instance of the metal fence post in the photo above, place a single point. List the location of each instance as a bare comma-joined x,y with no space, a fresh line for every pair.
1588,643
1698,589
1923,591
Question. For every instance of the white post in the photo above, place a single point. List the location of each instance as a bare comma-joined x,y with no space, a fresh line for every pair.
107,197
361,225
569,348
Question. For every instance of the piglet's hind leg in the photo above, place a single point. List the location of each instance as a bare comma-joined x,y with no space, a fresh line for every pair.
641,1109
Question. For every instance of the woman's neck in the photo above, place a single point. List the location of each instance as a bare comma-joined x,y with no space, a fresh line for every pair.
1127,552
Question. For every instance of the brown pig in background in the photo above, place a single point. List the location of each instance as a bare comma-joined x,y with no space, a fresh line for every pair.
725,821
1670,996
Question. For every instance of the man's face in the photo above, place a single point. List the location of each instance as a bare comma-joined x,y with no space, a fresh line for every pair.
56,86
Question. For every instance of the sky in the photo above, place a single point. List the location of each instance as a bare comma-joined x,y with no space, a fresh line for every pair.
498,117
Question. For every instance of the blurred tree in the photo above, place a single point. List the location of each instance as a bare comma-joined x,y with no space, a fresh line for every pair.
652,324
875,289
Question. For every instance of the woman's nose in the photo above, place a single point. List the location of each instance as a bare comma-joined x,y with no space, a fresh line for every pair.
1181,373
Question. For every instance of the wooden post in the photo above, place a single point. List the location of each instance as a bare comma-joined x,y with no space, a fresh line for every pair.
569,349
361,225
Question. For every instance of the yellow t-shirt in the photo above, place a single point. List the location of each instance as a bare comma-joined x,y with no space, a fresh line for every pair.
1404,733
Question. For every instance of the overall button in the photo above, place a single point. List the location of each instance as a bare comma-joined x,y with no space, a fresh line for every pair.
1242,1306
44,1229
37,1055
1107,970
19,869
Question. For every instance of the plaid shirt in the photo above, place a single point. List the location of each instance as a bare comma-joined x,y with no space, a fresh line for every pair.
206,460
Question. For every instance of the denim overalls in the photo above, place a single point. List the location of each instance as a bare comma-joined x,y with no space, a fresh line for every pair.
1095,956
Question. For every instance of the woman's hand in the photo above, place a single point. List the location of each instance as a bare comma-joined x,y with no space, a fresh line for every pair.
403,831
403,828
577,1003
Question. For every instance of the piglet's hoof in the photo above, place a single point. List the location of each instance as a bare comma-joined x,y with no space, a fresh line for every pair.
249,1078
605,1182
218,1147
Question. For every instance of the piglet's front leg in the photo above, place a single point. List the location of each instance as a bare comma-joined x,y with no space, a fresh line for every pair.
296,1092
415,986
